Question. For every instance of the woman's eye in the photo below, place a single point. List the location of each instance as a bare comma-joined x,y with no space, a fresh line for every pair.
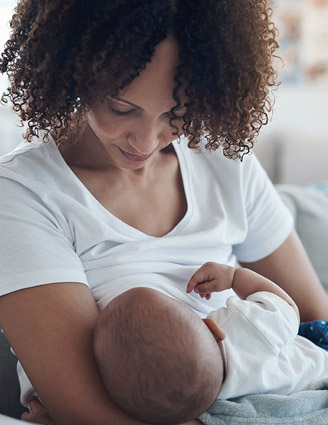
118,113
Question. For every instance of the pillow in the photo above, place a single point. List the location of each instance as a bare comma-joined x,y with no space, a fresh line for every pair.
309,207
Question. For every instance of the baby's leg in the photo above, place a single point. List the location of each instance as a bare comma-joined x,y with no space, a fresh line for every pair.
316,331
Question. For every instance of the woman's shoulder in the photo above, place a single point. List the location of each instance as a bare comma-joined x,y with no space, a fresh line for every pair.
28,158
214,164
32,165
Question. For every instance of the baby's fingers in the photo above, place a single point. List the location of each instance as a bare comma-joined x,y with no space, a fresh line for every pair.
198,277
205,288
193,282
207,296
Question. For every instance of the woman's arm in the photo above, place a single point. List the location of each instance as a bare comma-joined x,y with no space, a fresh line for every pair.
50,327
39,415
290,268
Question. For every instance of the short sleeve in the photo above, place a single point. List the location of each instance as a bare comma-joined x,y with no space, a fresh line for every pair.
269,222
36,246
272,317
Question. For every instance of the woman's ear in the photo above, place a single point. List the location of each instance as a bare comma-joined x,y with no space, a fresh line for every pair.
217,332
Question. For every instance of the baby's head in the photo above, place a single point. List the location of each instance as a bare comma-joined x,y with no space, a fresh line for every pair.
159,361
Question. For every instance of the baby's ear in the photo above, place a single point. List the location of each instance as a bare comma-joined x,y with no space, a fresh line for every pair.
217,332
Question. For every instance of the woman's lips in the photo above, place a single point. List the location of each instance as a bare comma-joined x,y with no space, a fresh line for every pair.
136,158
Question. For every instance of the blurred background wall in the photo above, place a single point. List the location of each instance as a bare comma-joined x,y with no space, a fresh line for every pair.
293,147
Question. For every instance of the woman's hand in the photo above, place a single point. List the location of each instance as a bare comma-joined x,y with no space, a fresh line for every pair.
38,414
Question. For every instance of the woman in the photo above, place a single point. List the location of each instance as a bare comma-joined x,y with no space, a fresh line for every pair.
112,201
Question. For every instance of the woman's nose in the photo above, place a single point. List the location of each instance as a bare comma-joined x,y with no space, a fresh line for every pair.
146,137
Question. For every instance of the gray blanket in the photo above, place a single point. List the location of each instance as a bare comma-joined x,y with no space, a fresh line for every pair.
308,407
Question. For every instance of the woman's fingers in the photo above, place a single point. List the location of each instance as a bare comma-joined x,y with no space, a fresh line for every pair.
36,406
37,414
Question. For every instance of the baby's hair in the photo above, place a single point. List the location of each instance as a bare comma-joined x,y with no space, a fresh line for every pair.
159,363
64,55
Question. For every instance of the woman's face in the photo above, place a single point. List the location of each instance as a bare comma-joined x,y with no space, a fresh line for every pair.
135,126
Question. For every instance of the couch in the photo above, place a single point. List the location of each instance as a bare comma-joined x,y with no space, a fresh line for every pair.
9,387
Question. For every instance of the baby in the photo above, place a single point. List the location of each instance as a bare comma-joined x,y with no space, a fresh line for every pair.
158,360
168,366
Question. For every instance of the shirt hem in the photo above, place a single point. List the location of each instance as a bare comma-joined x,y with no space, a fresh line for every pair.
268,247
32,279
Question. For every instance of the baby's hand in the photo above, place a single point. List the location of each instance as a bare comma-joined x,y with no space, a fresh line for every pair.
211,277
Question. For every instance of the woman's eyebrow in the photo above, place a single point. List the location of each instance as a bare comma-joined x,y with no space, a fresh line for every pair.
125,101
119,99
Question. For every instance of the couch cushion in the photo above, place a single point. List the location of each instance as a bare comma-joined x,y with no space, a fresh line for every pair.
309,207
9,387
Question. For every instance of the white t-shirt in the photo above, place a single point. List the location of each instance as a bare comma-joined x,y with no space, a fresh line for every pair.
262,351
6,420
54,230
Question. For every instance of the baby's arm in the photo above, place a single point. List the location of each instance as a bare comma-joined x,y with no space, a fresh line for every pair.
214,277
211,277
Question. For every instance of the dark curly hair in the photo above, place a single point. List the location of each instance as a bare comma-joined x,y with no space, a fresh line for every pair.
63,55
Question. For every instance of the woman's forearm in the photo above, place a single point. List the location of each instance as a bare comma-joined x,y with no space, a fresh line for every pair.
39,415
51,330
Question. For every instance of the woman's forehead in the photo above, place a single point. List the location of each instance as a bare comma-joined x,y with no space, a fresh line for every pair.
155,84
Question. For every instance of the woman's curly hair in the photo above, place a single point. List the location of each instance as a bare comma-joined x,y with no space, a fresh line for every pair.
63,55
